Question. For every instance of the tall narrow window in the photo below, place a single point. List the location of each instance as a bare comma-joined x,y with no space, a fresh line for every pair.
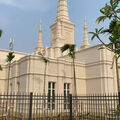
11,87
51,95
66,95
18,87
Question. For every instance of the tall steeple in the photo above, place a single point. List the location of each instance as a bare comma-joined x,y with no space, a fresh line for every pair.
62,12
62,31
85,39
39,44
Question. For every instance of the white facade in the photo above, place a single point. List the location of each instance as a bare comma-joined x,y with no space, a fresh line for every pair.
93,66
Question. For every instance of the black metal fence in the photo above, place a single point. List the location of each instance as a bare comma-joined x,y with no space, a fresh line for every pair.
44,107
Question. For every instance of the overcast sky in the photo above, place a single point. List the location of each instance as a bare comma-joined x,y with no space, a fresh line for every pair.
20,19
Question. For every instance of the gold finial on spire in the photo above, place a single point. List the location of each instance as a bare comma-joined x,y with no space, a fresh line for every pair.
85,39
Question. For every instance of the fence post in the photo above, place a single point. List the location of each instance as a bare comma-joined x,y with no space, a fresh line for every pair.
30,106
70,98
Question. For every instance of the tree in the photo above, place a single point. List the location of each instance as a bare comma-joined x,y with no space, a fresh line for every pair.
45,60
71,48
9,59
0,36
111,12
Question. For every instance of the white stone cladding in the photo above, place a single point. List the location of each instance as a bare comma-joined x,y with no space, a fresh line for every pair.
93,72
93,66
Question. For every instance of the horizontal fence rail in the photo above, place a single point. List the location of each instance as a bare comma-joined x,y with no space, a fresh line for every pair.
59,107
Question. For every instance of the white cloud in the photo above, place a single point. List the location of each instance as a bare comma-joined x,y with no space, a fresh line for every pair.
28,4
8,2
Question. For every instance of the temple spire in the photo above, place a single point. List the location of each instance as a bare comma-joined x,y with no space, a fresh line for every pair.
39,44
62,31
62,12
85,39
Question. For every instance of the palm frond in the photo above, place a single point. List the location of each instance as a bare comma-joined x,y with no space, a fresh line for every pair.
65,47
10,57
0,33
96,33
99,30
1,68
118,11
93,35
101,19
43,58
106,31
72,48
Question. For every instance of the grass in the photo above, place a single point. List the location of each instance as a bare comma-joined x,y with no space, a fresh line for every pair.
63,117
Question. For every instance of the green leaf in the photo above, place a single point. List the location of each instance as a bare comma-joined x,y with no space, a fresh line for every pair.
99,31
65,47
0,33
111,2
71,48
110,11
10,57
93,35
118,11
96,30
105,31
43,58
115,5
1,68
92,38
101,19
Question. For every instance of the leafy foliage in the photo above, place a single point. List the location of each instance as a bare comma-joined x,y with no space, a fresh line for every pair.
116,111
10,57
45,70
0,36
1,68
44,58
0,33
71,48
110,11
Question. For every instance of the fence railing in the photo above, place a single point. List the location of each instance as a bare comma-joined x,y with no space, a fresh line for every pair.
59,107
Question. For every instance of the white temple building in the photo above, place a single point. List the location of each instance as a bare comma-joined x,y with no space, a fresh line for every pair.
93,66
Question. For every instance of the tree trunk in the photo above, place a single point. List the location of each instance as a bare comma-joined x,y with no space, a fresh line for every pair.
75,89
117,75
8,86
75,93
44,78
44,88
8,82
